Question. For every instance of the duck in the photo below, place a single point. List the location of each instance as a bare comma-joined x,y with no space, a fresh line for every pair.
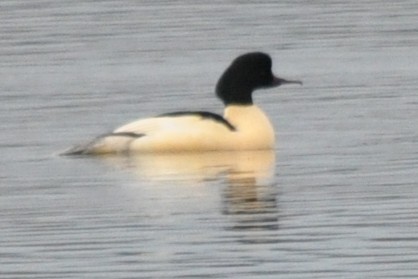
242,127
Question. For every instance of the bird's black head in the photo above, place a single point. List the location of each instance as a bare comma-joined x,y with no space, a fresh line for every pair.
247,73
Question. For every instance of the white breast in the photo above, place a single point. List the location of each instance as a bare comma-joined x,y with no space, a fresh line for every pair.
254,129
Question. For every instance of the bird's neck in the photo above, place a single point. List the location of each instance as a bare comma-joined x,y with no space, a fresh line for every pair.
234,93
252,126
247,117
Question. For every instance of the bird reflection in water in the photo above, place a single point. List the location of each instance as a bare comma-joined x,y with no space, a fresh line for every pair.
249,194
252,205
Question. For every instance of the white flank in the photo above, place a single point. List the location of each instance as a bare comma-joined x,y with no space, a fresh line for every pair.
189,133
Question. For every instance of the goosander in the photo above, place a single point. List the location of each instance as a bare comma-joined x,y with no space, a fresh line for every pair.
244,126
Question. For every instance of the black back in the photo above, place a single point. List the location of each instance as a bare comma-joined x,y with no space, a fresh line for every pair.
203,114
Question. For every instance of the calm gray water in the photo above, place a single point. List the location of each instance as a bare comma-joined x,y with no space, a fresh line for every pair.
338,198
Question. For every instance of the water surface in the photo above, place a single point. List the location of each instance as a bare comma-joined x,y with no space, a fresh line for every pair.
338,198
